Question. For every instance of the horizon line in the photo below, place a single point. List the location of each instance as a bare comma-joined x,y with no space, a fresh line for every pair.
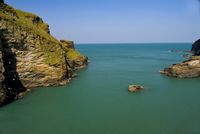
96,43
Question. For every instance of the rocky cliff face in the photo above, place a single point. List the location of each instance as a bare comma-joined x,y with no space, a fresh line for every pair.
196,48
187,69
1,75
30,56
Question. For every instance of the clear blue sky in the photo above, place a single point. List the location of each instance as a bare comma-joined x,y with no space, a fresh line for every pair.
110,21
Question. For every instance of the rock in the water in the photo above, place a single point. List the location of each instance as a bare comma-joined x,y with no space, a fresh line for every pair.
135,88
187,69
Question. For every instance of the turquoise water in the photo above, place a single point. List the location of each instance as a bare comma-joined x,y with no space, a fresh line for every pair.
97,102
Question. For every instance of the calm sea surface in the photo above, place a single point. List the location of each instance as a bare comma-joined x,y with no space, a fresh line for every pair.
97,102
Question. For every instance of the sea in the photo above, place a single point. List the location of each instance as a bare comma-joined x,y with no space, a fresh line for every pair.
98,101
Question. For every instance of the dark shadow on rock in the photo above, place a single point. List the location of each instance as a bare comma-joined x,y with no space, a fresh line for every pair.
1,1
12,85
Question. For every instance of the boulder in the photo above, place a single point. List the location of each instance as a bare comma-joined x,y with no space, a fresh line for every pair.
135,88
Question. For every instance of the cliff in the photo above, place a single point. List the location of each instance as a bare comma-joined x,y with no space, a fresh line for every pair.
30,56
1,76
196,48
187,69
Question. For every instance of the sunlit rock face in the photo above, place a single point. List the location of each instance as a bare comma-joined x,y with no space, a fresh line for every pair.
30,56
186,69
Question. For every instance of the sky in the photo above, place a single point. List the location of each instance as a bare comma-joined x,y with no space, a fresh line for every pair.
118,21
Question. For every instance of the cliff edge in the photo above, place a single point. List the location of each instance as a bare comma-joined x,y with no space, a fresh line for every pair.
187,69
30,56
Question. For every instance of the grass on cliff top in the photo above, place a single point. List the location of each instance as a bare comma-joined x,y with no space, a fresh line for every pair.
53,52
24,19
23,23
52,48
73,54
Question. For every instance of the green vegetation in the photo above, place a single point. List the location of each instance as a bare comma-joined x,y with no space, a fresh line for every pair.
34,25
31,22
73,54
52,49
195,58
53,54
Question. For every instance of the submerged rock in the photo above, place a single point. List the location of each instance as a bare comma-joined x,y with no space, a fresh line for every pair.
135,88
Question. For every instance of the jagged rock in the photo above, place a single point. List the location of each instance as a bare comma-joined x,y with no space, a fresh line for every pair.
135,88
187,69
196,48
30,56
69,44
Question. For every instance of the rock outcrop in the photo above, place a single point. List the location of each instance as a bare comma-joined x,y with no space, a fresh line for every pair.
30,56
196,48
135,88
187,69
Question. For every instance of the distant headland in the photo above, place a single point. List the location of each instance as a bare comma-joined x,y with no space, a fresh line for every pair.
187,69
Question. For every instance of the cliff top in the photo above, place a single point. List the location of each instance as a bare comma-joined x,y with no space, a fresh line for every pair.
29,21
34,25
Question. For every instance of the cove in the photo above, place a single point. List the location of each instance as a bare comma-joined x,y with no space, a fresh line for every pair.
97,101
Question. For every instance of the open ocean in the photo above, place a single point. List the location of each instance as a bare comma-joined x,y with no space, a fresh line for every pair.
98,101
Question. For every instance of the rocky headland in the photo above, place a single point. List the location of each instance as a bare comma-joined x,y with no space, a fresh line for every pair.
30,56
187,69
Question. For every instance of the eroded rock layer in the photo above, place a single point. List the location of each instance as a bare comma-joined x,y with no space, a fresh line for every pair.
30,56
187,69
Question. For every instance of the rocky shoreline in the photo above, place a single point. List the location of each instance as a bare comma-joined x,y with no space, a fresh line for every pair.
187,69
30,56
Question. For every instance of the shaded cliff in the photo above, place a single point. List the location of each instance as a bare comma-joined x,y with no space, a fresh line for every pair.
187,69
196,48
30,56
2,96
